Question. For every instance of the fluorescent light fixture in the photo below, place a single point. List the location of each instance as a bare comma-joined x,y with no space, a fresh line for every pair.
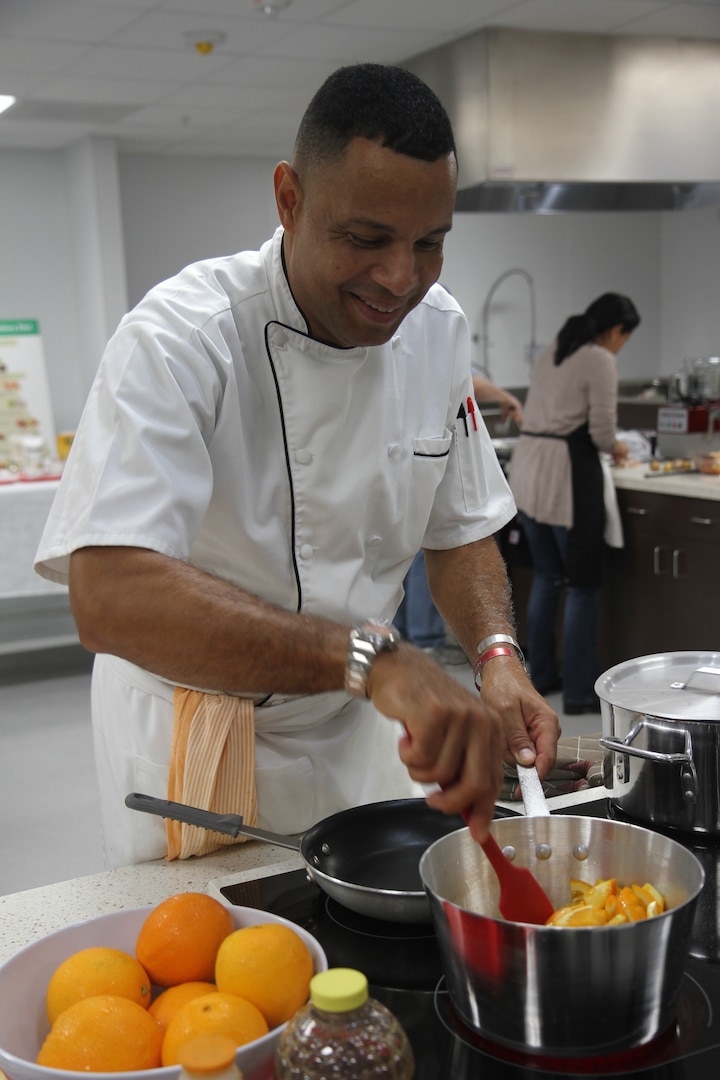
6,100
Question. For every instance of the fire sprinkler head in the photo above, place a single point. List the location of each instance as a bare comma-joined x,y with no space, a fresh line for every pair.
270,7
204,41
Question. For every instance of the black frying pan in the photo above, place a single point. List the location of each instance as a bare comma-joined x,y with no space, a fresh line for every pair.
366,858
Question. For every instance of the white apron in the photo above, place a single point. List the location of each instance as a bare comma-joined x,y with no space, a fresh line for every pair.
315,755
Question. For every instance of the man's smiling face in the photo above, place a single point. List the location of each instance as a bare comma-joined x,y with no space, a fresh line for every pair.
364,239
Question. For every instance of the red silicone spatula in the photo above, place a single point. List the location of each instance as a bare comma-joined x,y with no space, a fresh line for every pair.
522,898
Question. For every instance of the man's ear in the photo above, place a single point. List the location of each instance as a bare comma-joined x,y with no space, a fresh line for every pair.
288,194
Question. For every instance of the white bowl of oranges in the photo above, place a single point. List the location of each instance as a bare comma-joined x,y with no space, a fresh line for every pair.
121,993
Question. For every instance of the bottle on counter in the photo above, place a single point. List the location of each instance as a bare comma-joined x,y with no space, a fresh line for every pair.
343,1034
209,1057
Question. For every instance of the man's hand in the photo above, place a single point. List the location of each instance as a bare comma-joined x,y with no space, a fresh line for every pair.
453,739
530,726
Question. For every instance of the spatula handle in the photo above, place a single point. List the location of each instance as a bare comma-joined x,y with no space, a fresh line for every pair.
533,795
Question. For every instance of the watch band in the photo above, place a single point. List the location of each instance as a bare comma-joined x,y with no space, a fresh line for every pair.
366,641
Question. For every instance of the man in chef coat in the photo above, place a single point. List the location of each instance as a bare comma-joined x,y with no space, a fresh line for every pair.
270,439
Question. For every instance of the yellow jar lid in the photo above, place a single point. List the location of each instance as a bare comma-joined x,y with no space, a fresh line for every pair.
339,989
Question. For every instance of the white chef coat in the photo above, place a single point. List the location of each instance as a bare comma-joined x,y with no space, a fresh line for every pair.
218,432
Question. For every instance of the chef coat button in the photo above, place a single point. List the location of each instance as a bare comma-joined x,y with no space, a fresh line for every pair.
303,457
280,339
392,448
306,551
373,541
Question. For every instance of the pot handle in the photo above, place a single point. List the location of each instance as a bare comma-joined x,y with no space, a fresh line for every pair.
621,747
706,679
688,773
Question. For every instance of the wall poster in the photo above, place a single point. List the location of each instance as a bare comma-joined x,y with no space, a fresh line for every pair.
27,429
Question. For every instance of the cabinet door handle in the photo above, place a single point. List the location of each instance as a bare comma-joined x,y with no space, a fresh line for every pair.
677,552
657,567
640,511
701,521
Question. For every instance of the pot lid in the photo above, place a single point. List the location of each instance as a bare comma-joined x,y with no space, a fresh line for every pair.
671,686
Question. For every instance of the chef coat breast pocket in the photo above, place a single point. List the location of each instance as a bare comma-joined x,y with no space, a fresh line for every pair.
434,447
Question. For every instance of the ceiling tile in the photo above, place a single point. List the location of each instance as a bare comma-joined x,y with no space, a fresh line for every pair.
155,65
326,40
575,16
63,20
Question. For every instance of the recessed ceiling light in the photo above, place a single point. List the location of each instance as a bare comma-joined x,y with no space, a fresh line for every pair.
6,100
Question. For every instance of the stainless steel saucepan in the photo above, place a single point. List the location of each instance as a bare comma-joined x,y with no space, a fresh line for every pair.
562,990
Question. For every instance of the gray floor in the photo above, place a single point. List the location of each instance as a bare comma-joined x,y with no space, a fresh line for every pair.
48,795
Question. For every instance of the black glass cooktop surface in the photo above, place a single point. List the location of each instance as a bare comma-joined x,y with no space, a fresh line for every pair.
403,967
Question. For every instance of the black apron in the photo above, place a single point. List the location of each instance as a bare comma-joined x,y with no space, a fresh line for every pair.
586,536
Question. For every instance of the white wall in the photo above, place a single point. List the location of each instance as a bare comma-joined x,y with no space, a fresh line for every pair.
36,276
179,210
170,211
571,259
690,288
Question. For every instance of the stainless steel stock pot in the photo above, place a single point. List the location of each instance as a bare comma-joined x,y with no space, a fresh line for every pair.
661,729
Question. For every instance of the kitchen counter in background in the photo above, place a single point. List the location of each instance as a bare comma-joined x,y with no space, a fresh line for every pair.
688,485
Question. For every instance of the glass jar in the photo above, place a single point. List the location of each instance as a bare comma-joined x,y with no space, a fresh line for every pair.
343,1034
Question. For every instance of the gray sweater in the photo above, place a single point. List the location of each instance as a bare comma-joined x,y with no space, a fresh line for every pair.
583,389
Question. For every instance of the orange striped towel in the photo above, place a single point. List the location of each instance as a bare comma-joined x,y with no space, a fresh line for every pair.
212,766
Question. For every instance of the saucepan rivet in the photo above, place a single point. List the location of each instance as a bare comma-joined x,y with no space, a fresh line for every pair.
509,852
325,848
316,860
580,852
543,851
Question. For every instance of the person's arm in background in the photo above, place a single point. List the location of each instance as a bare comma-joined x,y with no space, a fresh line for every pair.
488,392
470,587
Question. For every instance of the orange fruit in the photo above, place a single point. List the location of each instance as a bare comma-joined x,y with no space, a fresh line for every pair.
93,971
270,965
212,1014
164,1007
179,939
103,1034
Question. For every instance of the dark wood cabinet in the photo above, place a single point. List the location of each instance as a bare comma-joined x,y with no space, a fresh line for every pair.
661,592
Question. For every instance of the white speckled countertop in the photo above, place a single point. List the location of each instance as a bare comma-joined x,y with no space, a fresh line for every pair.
26,916
690,485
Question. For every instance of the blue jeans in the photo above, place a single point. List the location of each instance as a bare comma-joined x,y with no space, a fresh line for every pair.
548,545
417,619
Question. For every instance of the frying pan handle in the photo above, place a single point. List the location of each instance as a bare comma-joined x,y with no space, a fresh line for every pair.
228,824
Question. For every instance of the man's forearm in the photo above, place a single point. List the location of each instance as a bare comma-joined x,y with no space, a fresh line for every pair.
470,588
181,623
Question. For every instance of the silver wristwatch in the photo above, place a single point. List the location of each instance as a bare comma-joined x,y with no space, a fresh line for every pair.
366,641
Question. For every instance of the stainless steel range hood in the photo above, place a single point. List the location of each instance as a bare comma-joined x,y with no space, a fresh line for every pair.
550,122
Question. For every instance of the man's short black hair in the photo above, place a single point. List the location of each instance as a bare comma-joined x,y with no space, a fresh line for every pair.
386,104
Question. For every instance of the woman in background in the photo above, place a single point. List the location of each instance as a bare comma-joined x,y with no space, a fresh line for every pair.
570,415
